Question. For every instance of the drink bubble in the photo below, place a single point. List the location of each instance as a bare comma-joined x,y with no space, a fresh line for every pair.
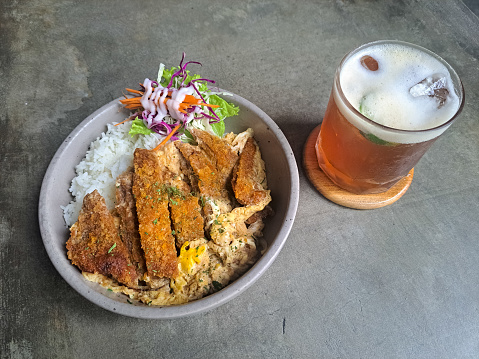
369,63
432,86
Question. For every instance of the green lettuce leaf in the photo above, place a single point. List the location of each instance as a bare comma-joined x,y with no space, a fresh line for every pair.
166,78
139,127
218,128
188,136
225,108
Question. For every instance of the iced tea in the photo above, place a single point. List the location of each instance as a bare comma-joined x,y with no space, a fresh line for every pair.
390,101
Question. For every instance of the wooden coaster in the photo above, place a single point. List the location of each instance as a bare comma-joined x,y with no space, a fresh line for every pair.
340,196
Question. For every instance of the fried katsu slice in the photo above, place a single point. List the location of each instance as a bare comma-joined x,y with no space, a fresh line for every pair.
212,162
249,176
204,169
186,217
153,216
95,246
219,151
126,210
172,165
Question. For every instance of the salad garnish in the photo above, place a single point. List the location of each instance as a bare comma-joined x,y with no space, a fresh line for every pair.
175,102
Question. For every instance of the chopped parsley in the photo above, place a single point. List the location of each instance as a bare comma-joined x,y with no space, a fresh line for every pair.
173,191
112,247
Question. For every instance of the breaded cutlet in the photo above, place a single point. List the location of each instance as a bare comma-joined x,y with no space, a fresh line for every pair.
219,151
126,210
212,161
204,169
151,197
186,217
95,245
249,175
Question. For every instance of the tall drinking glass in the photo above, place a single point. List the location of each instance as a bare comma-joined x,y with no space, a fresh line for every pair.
390,101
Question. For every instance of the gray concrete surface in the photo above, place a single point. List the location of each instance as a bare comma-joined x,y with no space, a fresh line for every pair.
397,282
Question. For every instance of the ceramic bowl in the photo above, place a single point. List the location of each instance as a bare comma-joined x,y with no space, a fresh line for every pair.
282,175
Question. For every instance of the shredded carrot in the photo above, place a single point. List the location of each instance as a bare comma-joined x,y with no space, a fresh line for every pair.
191,99
131,103
128,119
207,105
125,120
167,137
131,100
135,91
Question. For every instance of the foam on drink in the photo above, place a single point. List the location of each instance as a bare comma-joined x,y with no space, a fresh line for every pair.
384,96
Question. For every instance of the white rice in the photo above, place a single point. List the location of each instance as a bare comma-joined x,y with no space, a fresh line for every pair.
109,155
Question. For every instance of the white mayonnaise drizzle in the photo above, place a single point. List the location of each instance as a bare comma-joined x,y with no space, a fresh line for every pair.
153,101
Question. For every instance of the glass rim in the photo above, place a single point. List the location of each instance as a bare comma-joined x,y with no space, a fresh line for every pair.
452,72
